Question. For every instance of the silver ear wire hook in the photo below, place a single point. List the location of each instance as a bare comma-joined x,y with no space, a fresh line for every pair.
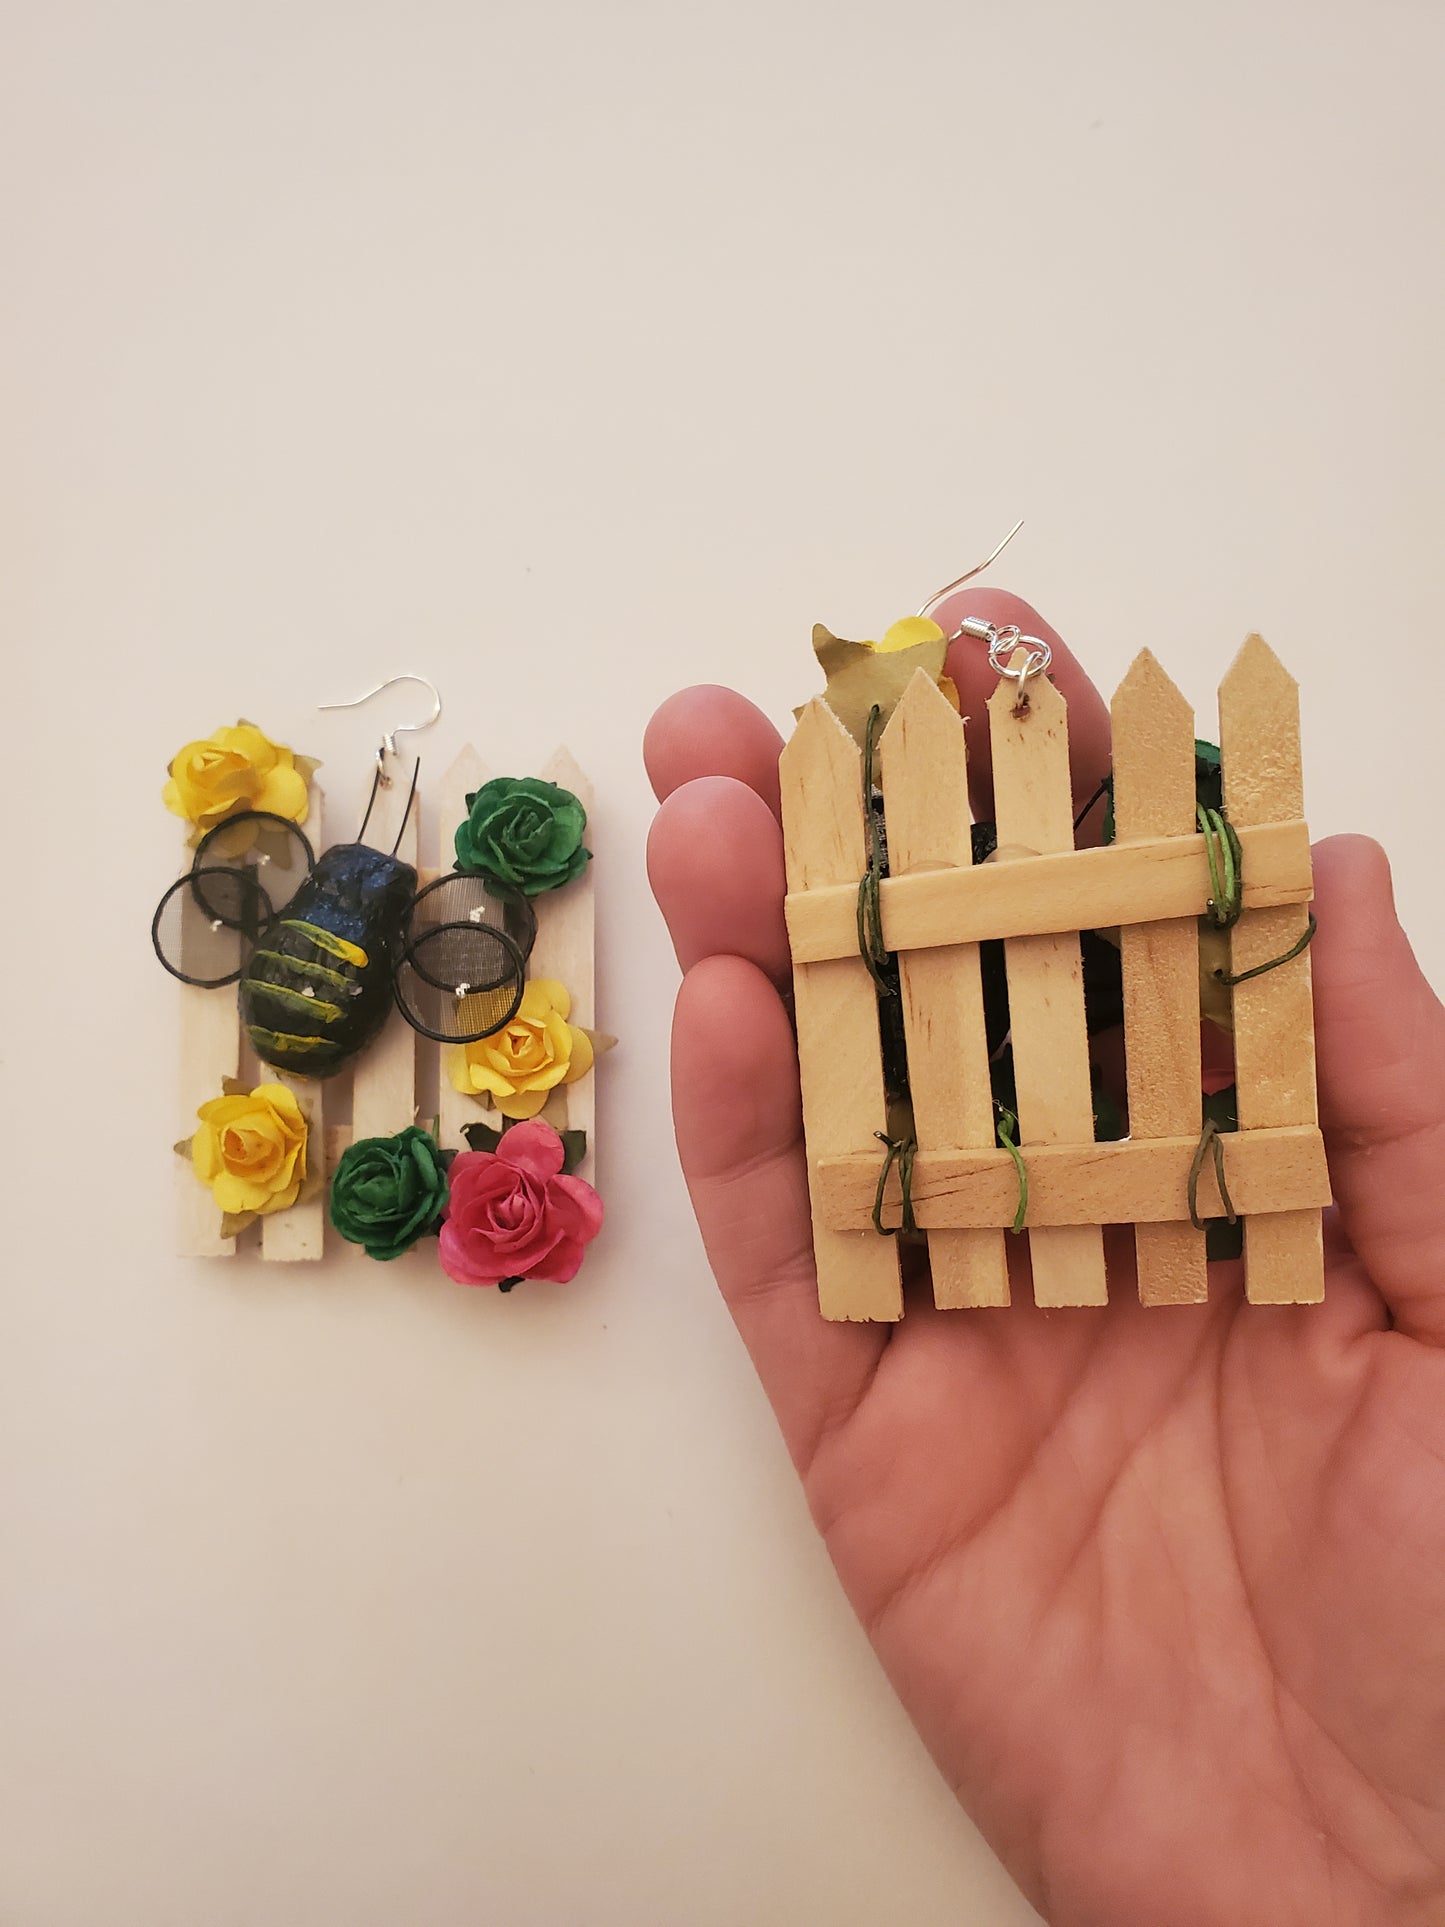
1002,642
389,736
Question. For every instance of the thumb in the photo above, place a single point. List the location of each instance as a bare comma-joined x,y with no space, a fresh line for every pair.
1380,1032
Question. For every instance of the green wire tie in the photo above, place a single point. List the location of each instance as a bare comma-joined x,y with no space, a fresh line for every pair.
1210,1141
1007,1128
900,1151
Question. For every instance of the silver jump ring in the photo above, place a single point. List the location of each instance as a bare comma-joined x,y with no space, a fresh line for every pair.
1006,643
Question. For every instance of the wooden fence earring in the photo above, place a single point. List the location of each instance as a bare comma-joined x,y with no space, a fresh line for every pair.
348,967
950,978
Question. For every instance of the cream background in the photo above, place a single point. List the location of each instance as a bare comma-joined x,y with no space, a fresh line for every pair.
569,354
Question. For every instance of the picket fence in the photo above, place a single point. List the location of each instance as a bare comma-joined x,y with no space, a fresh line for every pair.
379,1094
1152,884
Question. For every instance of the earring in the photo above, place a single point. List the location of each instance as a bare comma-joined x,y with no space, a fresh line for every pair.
489,971
953,979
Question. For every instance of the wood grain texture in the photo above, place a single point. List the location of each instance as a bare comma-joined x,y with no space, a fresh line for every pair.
383,1089
1154,879
566,951
1274,1049
1154,796
298,1234
1033,804
455,1108
1086,1184
836,1009
923,764
210,1049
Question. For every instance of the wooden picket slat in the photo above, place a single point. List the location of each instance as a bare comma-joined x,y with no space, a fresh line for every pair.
1273,1014
565,951
383,1090
297,1234
455,1108
1154,795
923,764
1033,805
210,1049
836,1009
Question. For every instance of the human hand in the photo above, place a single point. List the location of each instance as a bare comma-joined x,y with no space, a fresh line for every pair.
1163,1590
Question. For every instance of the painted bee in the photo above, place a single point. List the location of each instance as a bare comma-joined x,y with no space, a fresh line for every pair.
320,970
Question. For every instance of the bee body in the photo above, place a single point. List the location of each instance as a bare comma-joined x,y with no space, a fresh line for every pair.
318,987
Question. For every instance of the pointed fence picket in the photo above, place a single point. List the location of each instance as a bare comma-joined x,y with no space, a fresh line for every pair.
1154,796
836,1009
1152,886
1274,1039
923,764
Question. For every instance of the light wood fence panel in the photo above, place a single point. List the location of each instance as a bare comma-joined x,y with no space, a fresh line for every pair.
924,767
455,1108
1154,796
1033,807
383,1090
1274,1049
836,1009
297,1235
565,950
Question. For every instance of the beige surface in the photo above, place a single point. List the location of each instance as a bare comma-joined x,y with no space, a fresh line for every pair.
570,354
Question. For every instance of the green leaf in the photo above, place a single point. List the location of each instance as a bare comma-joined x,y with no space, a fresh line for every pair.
481,1137
233,1222
183,1149
235,1087
574,1149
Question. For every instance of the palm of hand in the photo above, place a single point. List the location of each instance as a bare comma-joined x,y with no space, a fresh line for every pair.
1164,1591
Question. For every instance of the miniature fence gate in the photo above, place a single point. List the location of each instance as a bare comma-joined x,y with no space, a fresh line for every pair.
383,1080
1152,884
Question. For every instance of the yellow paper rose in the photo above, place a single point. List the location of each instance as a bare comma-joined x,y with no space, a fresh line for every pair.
866,675
236,769
527,1058
251,1150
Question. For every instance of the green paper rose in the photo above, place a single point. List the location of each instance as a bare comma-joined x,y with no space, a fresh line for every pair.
389,1191
525,832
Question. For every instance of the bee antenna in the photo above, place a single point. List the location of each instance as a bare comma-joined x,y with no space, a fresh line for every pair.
371,802
410,800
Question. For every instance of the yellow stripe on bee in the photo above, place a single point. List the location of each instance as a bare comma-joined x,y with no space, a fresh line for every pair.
328,941
298,1002
313,973
280,1040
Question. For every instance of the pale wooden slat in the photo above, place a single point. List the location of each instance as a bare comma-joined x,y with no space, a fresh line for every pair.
565,950
836,1009
923,763
383,1090
1089,1184
455,1108
1033,805
297,1235
1096,889
210,1050
1154,796
1274,1047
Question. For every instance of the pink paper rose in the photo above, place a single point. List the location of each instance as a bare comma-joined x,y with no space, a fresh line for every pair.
511,1213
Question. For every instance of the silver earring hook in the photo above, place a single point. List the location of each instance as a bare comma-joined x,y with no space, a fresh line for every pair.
389,736
968,575
1002,642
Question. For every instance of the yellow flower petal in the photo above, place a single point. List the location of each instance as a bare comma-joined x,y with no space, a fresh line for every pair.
283,793
907,634
523,1104
581,1056
555,995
